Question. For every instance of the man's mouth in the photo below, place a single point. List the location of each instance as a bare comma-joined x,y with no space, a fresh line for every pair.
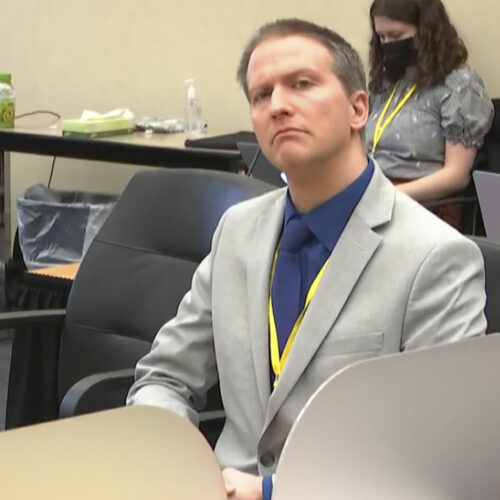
286,130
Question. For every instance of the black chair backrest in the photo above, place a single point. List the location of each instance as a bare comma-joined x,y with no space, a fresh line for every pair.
491,256
140,265
488,156
259,167
492,141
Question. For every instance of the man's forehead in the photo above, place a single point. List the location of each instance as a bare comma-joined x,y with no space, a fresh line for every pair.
289,54
287,44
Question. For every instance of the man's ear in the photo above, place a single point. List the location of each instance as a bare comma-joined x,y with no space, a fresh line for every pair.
359,109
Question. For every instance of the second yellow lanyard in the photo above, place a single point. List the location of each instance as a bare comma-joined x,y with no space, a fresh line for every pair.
277,361
381,124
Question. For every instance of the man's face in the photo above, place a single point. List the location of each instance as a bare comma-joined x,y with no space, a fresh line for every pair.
300,111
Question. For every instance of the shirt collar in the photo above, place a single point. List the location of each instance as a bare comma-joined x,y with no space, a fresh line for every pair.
327,221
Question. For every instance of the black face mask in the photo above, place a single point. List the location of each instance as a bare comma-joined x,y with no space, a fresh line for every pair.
397,57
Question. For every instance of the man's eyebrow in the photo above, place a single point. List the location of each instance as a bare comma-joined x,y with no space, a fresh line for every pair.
286,76
300,72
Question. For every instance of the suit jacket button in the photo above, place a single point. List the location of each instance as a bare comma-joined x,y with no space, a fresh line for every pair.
267,459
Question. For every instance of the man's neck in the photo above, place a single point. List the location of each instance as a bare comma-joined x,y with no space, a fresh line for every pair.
313,185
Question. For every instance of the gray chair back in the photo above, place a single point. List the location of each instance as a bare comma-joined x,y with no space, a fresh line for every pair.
140,265
491,256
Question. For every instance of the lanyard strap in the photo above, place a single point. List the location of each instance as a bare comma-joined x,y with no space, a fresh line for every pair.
277,362
380,128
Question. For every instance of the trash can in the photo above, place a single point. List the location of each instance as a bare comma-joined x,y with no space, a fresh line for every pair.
57,227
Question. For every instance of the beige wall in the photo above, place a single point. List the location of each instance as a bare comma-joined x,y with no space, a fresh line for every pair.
67,55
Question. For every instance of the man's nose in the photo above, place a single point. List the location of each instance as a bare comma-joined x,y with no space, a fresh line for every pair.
280,102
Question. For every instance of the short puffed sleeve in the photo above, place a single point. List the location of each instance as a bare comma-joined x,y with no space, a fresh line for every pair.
466,109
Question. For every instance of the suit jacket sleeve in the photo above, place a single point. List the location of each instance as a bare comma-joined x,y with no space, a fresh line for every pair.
181,366
447,299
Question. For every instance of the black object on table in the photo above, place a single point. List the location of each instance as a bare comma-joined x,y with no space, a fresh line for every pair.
225,141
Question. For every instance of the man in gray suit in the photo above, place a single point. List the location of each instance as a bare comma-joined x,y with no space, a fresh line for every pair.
372,273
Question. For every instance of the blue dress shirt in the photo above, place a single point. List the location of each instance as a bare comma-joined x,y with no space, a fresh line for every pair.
326,223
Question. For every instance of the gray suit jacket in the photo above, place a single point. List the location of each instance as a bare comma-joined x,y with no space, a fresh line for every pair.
399,278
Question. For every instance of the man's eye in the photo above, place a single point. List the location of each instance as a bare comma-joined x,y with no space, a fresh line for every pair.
260,97
302,84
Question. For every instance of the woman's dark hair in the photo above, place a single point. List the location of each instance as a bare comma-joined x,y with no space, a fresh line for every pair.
439,48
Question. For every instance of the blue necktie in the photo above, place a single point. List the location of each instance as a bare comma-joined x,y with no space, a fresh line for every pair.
287,279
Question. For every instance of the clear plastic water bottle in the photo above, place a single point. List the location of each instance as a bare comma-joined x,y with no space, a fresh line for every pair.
195,126
7,101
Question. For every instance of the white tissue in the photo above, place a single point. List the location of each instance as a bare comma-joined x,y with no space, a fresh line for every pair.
88,114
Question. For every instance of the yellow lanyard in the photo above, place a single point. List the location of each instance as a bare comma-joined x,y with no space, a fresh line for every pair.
380,128
277,362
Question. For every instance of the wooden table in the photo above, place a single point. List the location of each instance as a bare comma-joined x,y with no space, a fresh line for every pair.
139,148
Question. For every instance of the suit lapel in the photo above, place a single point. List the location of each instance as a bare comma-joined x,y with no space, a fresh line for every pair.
263,244
351,255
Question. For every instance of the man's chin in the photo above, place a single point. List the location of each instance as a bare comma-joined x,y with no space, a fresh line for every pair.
289,161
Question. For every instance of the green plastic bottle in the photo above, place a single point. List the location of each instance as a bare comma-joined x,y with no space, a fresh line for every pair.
7,101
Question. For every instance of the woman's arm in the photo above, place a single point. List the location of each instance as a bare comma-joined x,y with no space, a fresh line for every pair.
452,178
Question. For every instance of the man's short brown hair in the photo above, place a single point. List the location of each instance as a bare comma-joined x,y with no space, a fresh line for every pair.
346,63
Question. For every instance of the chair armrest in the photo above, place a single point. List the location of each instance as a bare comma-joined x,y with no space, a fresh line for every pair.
449,201
100,391
483,242
211,424
15,319
207,416
108,390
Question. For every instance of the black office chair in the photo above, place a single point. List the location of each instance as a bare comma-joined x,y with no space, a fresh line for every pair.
133,277
469,219
491,148
487,158
491,256
258,166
